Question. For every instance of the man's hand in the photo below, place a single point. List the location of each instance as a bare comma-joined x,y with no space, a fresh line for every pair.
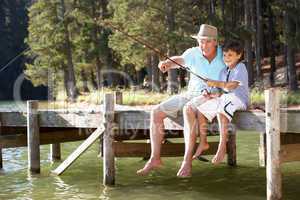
205,93
164,66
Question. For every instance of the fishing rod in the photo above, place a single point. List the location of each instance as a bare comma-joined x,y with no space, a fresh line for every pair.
108,24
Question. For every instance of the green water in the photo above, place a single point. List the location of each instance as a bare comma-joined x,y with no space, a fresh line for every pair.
83,179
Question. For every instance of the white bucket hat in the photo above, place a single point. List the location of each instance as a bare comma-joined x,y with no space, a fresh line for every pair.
206,32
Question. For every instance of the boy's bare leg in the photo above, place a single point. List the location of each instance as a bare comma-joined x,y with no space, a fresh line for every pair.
156,138
203,135
223,125
190,120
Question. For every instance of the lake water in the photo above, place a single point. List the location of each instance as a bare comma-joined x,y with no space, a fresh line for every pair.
83,180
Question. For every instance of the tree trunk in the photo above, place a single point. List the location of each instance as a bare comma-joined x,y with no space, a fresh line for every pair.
170,20
259,37
149,73
248,42
96,41
84,81
289,37
93,80
271,45
73,91
66,80
223,2
155,73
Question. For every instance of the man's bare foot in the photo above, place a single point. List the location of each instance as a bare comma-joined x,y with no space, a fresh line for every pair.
220,155
149,166
185,170
200,149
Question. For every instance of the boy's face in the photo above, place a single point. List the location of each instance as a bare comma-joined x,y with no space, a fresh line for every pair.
231,58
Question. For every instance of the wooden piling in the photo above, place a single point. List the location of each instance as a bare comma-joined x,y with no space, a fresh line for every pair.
274,190
108,150
1,160
231,148
33,137
55,152
262,150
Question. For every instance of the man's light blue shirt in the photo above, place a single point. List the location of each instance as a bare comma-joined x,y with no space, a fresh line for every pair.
194,59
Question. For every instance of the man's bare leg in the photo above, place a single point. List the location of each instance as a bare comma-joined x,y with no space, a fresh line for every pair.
203,135
223,125
156,138
190,126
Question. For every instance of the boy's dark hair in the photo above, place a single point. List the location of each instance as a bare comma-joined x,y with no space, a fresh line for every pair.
233,45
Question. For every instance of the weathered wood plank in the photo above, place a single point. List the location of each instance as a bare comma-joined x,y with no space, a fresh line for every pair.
289,138
79,151
130,149
20,140
133,118
33,137
274,191
108,149
290,152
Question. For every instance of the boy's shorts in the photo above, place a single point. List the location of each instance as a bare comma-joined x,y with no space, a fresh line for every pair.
226,104
173,106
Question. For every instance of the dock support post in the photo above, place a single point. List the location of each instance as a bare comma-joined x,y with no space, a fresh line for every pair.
274,191
262,150
55,152
231,147
1,160
108,150
33,137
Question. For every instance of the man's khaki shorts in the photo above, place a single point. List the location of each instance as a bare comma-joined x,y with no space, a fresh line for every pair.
173,106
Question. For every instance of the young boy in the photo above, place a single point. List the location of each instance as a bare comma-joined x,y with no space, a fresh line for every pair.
235,96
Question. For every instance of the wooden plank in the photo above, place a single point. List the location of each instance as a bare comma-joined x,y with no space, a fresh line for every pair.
130,149
33,137
55,153
79,151
20,140
231,148
133,118
274,188
289,138
290,152
108,149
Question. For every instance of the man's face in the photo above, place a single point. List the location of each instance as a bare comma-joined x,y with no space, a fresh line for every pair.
208,47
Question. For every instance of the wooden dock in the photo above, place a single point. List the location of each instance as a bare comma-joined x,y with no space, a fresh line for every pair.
33,127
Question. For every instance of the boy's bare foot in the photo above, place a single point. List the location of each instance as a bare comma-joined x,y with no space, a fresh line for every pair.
200,149
149,166
185,170
220,155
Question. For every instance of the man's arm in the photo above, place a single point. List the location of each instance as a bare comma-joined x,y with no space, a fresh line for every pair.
168,64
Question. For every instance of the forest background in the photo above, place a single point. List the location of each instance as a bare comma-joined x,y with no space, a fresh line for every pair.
52,45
